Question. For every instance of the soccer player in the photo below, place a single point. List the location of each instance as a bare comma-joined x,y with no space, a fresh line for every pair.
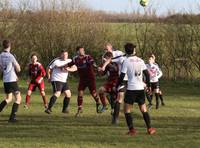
36,74
160,92
57,73
9,66
118,57
155,75
85,64
111,69
135,69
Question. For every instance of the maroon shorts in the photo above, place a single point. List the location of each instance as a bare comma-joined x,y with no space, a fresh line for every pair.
91,84
109,85
32,86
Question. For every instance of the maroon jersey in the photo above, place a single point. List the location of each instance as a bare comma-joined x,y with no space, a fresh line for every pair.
36,71
112,71
85,67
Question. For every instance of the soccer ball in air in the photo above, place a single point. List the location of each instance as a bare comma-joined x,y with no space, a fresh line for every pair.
144,3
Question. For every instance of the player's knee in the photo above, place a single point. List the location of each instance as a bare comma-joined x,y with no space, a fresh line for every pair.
29,92
42,93
18,98
143,108
57,94
68,93
127,108
9,99
101,90
94,93
80,93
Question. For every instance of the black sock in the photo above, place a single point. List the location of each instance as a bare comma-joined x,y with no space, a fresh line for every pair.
157,99
147,119
52,101
116,110
112,100
129,120
161,98
14,111
2,105
66,103
149,98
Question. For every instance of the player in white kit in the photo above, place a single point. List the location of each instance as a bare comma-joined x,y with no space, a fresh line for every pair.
57,73
9,66
135,68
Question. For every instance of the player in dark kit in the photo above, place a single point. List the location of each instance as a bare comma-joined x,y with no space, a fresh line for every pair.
111,69
135,68
9,66
36,74
85,64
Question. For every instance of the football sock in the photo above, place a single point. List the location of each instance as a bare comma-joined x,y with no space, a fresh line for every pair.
80,102
116,110
161,98
14,111
44,98
96,98
157,100
112,100
103,99
28,99
2,105
147,119
52,101
129,120
66,103
149,98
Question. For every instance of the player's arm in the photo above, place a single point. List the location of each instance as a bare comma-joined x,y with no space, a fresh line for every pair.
16,65
105,64
122,75
73,68
41,75
48,72
159,73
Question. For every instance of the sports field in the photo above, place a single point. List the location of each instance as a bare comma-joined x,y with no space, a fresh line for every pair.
178,123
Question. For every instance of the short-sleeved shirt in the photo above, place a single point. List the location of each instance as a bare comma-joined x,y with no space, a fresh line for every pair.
85,67
154,72
36,71
7,64
134,66
58,71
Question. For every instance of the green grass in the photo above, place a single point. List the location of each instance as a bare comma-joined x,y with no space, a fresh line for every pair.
178,123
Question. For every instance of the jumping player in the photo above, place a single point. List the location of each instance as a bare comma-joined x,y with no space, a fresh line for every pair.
111,69
57,73
135,69
85,64
9,66
155,74
118,57
36,74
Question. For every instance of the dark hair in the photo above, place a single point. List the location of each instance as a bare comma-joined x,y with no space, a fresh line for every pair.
129,48
6,44
63,50
79,47
108,54
33,54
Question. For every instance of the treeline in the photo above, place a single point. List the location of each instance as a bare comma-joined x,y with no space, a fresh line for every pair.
46,30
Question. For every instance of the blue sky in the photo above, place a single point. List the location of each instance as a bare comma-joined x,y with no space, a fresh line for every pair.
161,6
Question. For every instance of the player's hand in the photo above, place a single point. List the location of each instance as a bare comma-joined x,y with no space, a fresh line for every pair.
49,80
148,90
40,80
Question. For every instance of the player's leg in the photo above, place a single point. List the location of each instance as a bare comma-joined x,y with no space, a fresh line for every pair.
42,93
57,87
31,88
66,101
102,96
157,95
93,92
161,98
7,100
115,115
17,102
128,105
147,119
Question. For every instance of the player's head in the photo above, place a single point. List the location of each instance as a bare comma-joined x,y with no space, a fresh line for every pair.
80,50
130,49
34,58
64,54
6,45
151,59
154,57
108,55
108,47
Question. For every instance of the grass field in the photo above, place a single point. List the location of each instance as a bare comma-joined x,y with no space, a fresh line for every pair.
178,123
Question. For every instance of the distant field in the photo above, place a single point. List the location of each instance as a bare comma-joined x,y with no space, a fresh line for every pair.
178,123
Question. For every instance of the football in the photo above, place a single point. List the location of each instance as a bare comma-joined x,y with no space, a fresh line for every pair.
144,3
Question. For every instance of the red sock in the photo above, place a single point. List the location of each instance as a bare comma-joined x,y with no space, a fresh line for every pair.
80,102
28,99
103,99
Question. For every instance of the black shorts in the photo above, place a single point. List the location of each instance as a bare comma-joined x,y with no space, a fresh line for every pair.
132,96
123,87
155,85
59,86
11,87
